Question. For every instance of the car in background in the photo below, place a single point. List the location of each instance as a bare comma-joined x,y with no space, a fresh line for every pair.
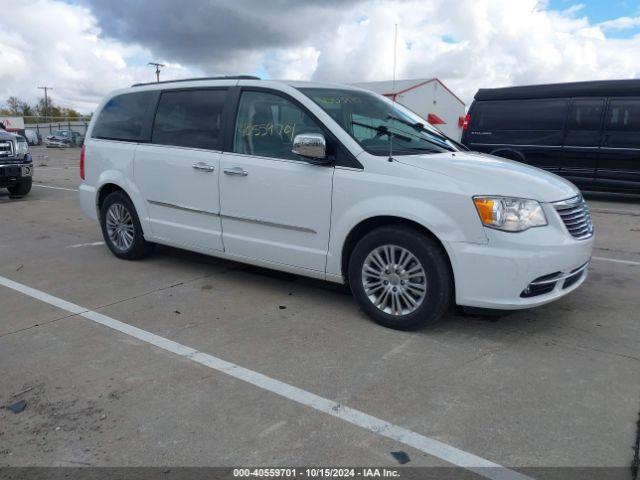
586,132
32,137
16,166
64,138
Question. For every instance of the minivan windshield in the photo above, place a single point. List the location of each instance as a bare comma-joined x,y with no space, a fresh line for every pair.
373,121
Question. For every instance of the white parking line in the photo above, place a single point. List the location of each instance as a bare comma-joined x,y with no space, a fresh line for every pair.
615,260
363,420
55,188
78,245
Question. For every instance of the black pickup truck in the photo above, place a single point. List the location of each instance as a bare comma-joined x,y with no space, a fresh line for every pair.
16,165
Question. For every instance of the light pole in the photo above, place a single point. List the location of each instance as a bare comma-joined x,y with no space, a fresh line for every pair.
158,66
46,101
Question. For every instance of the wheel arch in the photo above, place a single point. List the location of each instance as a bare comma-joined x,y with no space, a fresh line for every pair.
372,223
107,189
510,154
110,185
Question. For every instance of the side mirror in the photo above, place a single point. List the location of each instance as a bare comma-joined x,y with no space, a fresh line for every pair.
311,146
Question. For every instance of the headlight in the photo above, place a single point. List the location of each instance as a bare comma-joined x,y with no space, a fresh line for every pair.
22,148
509,214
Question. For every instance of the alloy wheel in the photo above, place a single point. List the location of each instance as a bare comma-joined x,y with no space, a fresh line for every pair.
120,227
394,280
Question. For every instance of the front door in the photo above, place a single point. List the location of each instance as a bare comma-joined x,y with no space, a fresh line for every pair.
177,173
275,206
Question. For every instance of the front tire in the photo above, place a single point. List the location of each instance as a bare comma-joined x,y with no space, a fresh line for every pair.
21,189
400,277
121,228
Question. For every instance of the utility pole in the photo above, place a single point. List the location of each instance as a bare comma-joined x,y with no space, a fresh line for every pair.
158,66
46,101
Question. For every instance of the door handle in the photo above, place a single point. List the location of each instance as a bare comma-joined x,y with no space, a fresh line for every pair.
203,166
236,171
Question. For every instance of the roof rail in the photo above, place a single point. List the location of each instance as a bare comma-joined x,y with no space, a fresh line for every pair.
597,88
232,77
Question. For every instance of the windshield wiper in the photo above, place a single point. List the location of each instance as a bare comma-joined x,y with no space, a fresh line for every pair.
382,129
416,125
420,126
438,133
442,140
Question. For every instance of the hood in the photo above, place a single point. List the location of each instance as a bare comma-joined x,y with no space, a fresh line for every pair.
489,175
4,135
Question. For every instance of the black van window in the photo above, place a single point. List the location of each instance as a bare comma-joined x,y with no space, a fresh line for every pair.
583,123
624,116
521,115
189,118
622,126
585,114
126,117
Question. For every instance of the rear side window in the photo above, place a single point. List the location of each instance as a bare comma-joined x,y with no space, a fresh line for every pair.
521,115
126,117
190,118
624,115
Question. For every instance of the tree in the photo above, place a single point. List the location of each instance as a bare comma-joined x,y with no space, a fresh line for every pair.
18,107
37,112
27,110
14,104
51,109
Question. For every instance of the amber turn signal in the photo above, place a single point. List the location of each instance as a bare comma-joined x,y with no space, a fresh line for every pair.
486,209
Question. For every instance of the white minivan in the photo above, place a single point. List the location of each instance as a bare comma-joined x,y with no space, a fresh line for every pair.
331,182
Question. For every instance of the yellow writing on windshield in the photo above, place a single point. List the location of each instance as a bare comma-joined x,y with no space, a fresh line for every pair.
341,100
283,130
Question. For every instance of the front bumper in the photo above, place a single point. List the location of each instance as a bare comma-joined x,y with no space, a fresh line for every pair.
520,270
57,144
14,173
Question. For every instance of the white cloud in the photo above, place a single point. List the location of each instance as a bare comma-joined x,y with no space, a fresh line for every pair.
469,44
45,42
495,43
621,23
292,63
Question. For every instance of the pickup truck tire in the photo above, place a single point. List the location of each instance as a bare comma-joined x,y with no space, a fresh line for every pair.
20,190
401,277
121,228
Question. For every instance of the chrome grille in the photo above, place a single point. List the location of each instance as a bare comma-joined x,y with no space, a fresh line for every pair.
6,149
575,215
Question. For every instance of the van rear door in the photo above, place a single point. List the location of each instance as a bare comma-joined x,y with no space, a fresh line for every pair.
177,172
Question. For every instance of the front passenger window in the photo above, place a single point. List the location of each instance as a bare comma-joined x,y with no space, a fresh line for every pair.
267,124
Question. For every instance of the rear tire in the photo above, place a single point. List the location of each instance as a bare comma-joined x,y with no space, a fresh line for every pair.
400,277
121,228
21,189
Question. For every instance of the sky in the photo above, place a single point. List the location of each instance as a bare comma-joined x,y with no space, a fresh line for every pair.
84,49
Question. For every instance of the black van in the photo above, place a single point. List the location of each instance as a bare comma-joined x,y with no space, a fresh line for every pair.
587,132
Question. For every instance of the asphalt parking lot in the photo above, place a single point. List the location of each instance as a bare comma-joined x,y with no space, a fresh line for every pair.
554,386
